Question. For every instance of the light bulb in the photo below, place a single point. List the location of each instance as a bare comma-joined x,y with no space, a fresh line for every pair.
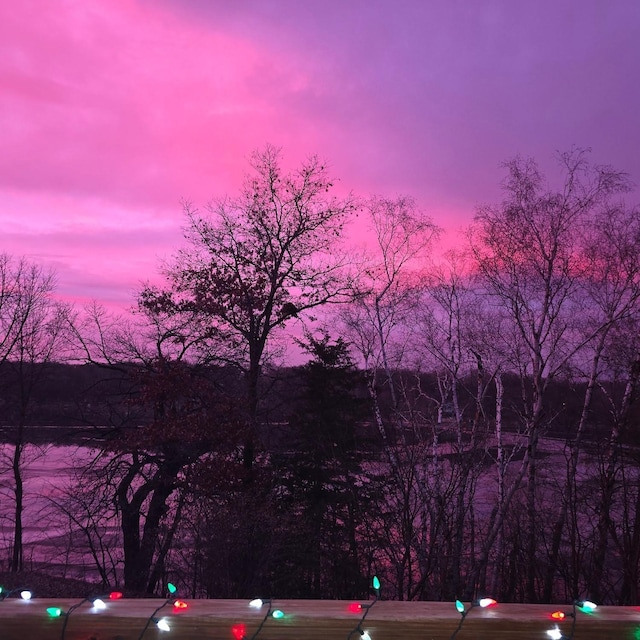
26,594
375,583
277,614
54,612
460,606
163,625
486,602
99,604
587,606
256,603
171,588
365,635
555,633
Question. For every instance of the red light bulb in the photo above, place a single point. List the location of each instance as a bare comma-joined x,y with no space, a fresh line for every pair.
355,607
115,595
239,631
558,615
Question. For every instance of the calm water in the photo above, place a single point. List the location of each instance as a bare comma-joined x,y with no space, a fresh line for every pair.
49,474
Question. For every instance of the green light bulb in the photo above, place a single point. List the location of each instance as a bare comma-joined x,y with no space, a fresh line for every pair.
277,614
171,587
587,606
54,612
375,583
460,606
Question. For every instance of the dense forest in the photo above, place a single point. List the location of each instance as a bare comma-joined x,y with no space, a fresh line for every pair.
459,427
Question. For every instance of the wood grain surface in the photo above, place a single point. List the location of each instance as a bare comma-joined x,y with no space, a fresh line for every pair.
312,619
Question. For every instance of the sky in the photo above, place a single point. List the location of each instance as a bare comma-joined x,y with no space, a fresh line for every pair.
112,112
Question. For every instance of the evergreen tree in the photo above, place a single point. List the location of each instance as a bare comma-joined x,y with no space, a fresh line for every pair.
321,476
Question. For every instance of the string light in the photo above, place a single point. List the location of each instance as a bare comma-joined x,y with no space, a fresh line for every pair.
483,603
56,612
257,603
239,630
163,623
364,635
24,594
487,602
586,606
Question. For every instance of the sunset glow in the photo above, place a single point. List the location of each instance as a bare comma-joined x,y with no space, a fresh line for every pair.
115,111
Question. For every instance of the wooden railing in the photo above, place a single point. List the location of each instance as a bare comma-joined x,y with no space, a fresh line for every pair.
308,619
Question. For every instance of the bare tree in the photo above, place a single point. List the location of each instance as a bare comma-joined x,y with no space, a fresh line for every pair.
377,324
388,291
259,260
32,328
181,414
527,251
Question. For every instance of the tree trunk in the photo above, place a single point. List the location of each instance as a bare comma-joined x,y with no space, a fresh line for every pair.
17,556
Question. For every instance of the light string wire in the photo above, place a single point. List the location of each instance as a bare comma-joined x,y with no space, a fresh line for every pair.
151,618
67,614
367,607
463,617
262,623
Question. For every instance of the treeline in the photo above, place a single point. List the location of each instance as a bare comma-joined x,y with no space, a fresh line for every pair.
460,429
82,398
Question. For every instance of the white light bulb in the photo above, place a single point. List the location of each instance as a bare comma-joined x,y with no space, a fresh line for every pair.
555,633
257,603
26,595
486,602
163,625
99,604
365,636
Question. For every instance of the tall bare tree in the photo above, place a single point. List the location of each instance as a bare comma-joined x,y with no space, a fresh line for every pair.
256,261
377,323
32,326
388,292
173,413
527,250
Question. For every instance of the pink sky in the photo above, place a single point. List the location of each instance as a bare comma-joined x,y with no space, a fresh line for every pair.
112,111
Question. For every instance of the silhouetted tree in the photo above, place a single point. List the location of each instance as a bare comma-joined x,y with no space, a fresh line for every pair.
32,329
255,261
322,476
528,252
183,414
